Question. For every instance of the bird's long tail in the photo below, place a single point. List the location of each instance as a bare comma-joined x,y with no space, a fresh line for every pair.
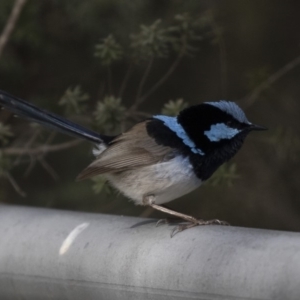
50,120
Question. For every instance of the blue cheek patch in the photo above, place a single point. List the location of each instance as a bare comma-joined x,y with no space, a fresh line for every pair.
220,131
172,124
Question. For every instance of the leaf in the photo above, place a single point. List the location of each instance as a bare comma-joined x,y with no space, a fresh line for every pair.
151,41
108,50
74,100
101,185
109,114
225,175
172,108
187,31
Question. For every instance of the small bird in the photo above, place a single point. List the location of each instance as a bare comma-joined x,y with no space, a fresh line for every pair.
161,158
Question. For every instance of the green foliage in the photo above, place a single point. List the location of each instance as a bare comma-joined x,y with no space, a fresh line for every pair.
225,175
100,184
208,19
5,133
158,40
109,114
151,41
74,100
173,107
109,51
186,31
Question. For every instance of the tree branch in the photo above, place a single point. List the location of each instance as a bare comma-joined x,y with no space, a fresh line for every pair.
11,23
125,80
41,149
109,80
161,80
251,98
222,57
143,80
48,168
15,185
27,145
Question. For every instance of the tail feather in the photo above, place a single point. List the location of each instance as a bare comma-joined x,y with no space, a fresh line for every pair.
50,120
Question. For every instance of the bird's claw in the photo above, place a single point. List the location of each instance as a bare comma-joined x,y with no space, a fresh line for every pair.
168,221
162,222
200,222
213,222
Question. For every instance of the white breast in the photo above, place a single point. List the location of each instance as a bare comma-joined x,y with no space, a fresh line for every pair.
166,181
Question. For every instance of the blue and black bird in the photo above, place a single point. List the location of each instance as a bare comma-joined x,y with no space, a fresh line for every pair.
161,158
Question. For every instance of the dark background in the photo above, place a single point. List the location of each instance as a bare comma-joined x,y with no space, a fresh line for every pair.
52,47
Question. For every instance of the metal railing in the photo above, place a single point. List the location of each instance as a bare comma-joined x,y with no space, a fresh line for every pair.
58,255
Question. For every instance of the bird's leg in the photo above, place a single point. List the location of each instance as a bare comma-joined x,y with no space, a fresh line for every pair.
150,201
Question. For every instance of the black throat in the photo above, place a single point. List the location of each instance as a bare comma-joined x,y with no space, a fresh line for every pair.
203,165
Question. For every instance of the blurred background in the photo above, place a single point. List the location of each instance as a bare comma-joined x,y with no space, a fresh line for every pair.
109,63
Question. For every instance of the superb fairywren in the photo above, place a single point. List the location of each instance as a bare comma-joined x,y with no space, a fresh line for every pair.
161,158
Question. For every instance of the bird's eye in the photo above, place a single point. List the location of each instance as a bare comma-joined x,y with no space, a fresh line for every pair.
229,123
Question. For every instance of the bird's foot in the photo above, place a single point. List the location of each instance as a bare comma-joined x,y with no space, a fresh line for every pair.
191,221
168,221
199,222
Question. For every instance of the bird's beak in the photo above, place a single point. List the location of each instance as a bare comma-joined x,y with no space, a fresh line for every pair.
257,127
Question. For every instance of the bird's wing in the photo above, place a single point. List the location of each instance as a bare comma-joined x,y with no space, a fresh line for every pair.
132,149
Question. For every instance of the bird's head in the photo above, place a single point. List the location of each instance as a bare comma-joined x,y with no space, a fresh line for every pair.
216,127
